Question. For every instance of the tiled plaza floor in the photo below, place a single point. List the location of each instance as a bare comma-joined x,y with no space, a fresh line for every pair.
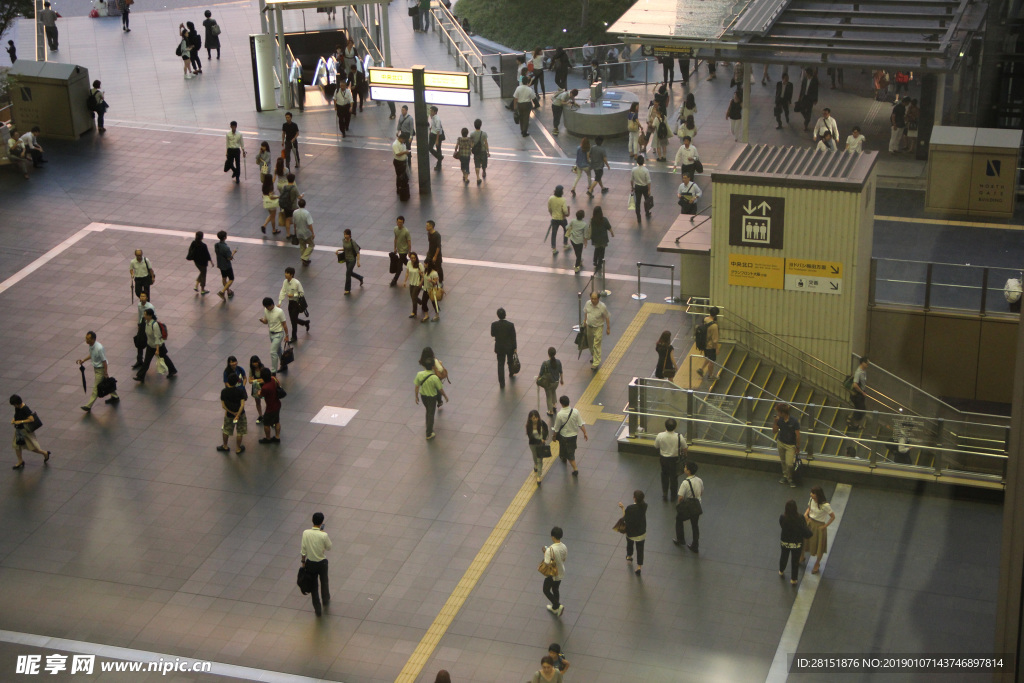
139,535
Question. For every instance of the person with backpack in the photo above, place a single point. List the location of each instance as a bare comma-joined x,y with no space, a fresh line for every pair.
549,378
97,104
183,50
212,30
688,507
427,386
156,336
199,255
288,201
480,149
195,44
707,340
657,129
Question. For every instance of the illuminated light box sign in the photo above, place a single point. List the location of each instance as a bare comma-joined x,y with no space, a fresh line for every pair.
451,98
451,80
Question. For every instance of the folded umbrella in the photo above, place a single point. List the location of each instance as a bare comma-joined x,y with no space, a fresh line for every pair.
82,368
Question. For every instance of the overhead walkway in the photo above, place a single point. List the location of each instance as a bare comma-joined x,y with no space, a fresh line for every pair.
905,432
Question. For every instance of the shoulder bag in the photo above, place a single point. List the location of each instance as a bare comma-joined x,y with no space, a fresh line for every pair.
215,29
620,525
668,370
287,354
152,273
691,507
558,434
35,424
548,568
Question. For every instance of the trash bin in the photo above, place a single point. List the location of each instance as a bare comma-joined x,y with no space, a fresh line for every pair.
52,96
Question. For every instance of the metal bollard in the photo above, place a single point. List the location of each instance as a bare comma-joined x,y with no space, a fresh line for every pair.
639,295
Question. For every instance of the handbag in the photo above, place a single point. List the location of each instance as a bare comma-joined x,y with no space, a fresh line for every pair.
690,508
515,116
668,369
620,525
303,305
161,366
437,293
35,424
513,364
304,581
287,354
631,203
544,451
547,569
281,393
698,167
107,385
215,29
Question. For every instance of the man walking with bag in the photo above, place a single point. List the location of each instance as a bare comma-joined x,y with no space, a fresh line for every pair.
235,152
402,246
672,449
140,335
99,368
567,426
504,333
688,507
315,544
142,273
787,438
155,347
291,289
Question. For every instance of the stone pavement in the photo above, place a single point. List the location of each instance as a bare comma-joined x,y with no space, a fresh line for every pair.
140,535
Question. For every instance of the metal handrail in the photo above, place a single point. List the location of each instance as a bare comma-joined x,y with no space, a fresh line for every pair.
988,465
466,49
982,284
366,42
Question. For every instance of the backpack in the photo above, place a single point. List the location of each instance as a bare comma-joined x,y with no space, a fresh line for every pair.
90,102
848,383
163,330
700,336
662,130
902,77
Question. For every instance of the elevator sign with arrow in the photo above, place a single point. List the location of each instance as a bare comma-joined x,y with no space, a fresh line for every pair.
756,221
814,276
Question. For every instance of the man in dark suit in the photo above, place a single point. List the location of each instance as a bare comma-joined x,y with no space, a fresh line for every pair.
783,98
504,333
808,95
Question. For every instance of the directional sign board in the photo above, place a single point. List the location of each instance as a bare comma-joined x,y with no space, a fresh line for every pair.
670,51
756,221
756,271
814,276
440,87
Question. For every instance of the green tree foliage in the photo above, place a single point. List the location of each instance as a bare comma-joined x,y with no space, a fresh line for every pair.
525,24
11,10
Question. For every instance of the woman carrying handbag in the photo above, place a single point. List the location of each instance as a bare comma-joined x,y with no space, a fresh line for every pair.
25,423
666,363
635,520
537,435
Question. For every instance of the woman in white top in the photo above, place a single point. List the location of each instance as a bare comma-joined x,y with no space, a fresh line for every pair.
185,49
538,73
855,141
687,128
819,516
414,278
431,285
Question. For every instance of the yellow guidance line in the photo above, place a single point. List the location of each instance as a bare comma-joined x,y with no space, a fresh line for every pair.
939,221
425,649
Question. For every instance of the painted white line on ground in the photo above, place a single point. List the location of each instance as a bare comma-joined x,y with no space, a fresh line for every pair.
126,654
45,258
99,227
779,672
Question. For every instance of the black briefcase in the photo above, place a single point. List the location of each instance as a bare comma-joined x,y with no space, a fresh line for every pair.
107,385
304,581
396,263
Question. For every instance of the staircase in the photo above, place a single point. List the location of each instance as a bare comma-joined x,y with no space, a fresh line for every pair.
913,435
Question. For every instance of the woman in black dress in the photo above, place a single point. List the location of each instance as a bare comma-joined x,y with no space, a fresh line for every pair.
212,39
666,363
636,528
195,43
794,531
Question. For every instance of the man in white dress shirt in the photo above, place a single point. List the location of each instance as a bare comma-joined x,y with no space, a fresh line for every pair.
315,544
826,123
291,289
273,318
436,137
235,152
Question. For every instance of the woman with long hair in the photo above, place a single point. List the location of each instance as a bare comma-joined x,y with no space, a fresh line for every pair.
263,160
414,278
464,152
195,43
794,533
270,203
537,435
185,49
582,164
538,73
280,174
256,380
666,368
688,128
819,516
431,287
636,528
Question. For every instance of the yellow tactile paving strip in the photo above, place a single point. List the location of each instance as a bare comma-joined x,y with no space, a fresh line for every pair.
421,655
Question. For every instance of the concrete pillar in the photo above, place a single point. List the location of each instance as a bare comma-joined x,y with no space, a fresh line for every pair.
41,46
940,97
282,53
386,31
